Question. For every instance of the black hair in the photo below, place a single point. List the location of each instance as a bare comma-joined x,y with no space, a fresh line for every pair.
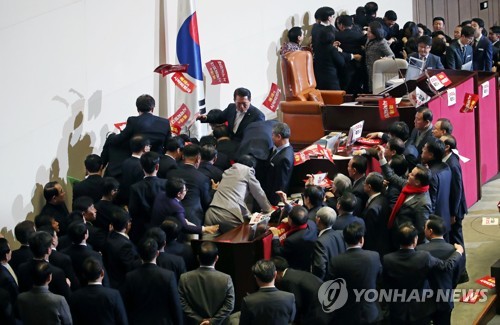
242,92
50,191
280,263
294,33
347,202
376,181
371,8
138,143
400,129
446,125
360,163
264,270
450,140
216,116
191,151
174,143
23,230
93,163
345,20
298,215
479,22
427,40
208,140
315,194
148,249
120,219
353,233
377,30
174,186
149,160
91,268
436,147
41,273
391,15
423,175
220,131
208,253
77,231
397,145
436,224
438,18
145,103
208,152
42,220
325,12
426,113
172,229
467,31
40,242
82,203
4,249
158,235
109,184
326,36
406,234
247,160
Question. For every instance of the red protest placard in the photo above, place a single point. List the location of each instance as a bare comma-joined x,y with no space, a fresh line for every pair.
165,69
180,117
218,72
387,108
119,125
487,281
273,99
443,78
183,83
470,102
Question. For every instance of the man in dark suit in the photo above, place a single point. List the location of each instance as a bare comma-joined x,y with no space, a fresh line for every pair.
209,156
439,190
39,305
91,186
238,115
41,247
55,205
295,240
280,163
23,230
106,206
431,61
460,52
356,169
120,253
408,269
94,303
173,154
113,156
143,195
422,132
345,207
482,49
205,293
150,292
154,128
360,269
79,251
131,168
330,242
172,230
305,287
376,214
8,279
268,305
440,280
494,37
198,195
225,145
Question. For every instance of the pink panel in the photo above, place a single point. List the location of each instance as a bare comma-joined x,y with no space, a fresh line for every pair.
488,132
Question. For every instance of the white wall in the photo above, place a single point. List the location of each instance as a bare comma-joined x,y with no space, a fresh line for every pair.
69,69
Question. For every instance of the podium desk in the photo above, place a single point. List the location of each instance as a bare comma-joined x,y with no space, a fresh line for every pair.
487,123
238,251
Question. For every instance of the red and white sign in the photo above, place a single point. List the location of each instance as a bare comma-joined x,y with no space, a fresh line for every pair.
119,125
470,102
273,99
183,83
387,108
165,69
487,281
218,72
180,117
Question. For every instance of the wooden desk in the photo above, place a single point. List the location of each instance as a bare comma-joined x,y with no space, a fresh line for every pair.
238,251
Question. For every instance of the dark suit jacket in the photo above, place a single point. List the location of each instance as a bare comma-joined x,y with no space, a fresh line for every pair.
98,305
438,279
408,269
351,40
170,207
78,254
19,256
131,173
210,171
416,211
63,261
151,297
183,250
376,215
257,140
198,195
496,54
360,269
104,214
60,213
439,191
327,62
298,248
57,286
345,220
167,163
414,138
331,243
154,128
229,148
253,114
172,263
482,55
268,306
305,287
279,173
120,257
431,62
142,198
92,186
7,309
8,283
455,58
361,196
458,205
206,293
113,156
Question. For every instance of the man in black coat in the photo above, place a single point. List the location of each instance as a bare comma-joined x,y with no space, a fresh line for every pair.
345,206
172,155
23,231
55,205
268,305
356,169
154,128
482,49
460,52
8,279
198,195
440,280
209,155
225,145
92,185
150,292
238,115
94,303
409,269
172,229
422,132
360,269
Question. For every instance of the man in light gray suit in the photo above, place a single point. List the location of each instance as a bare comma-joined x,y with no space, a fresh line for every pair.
207,295
229,205
39,305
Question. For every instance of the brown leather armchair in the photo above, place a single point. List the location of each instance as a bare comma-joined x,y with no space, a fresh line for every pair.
301,109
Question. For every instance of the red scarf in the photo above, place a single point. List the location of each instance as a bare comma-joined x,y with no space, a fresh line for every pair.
286,230
407,190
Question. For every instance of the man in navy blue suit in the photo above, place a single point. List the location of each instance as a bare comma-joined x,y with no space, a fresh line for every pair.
482,49
238,115
460,52
154,128
431,61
